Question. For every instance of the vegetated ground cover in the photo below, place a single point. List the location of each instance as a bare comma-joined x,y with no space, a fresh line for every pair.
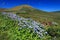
52,29
9,30
41,16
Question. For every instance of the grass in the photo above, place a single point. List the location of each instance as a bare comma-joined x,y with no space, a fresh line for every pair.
41,16
9,29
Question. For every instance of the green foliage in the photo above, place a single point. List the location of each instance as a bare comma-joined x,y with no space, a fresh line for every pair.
9,30
54,32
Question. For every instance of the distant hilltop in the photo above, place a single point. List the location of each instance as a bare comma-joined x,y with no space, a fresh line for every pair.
21,6
17,8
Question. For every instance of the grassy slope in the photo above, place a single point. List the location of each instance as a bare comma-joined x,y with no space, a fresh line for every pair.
42,16
39,15
9,30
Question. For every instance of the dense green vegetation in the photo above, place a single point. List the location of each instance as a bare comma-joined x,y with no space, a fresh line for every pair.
41,16
9,29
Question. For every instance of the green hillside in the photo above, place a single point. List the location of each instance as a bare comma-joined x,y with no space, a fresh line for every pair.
46,18
38,15
9,29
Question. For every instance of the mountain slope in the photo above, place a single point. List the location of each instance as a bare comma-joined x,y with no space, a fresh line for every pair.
38,15
56,12
13,27
19,7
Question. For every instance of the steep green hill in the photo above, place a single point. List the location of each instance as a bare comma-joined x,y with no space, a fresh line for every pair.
38,15
9,30
13,27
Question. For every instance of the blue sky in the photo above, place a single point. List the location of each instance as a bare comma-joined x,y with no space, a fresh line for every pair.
45,5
